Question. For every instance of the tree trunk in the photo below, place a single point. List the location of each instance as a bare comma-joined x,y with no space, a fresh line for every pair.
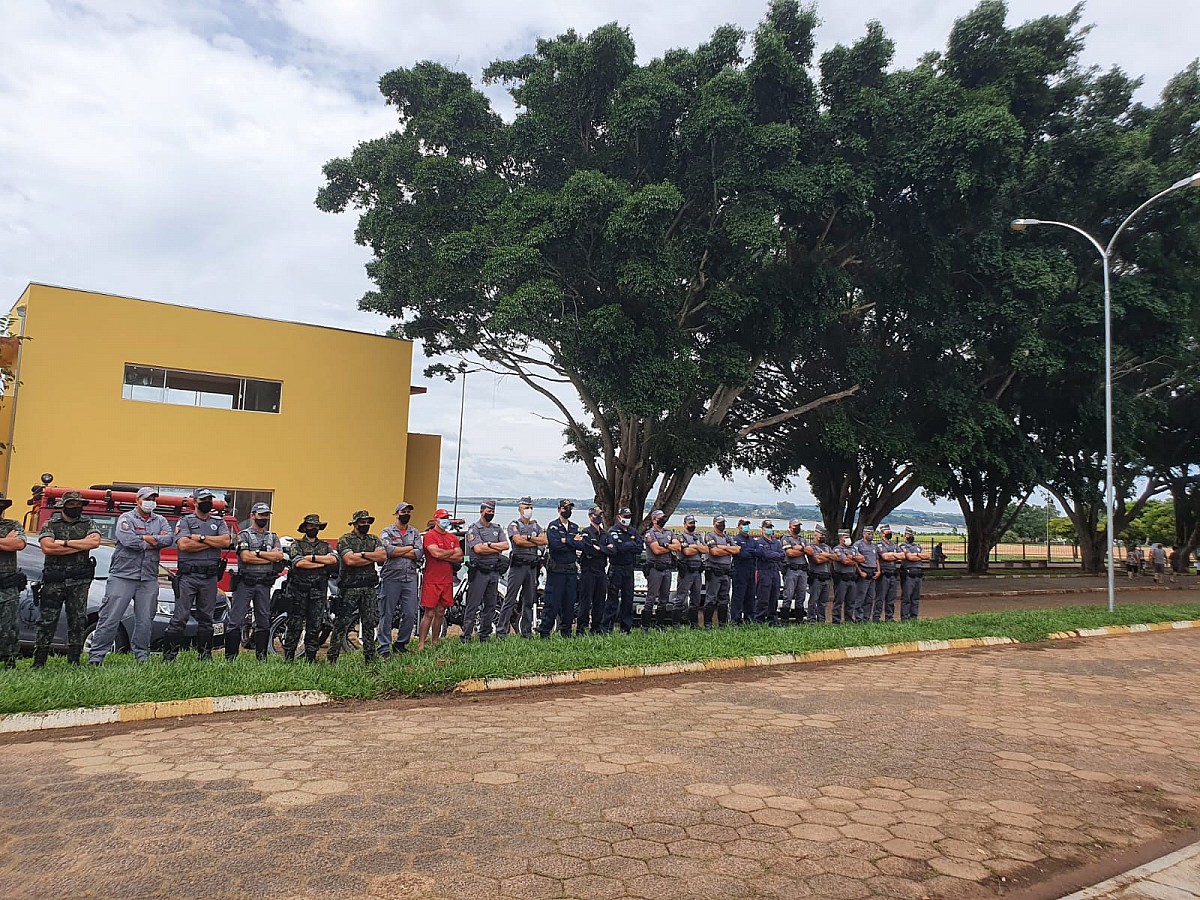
1091,550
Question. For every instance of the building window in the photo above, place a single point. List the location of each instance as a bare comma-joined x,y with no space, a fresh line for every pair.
239,501
155,385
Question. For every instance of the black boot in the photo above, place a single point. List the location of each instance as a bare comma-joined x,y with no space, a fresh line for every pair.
73,657
39,658
261,638
233,645
204,646
289,655
647,617
310,656
170,647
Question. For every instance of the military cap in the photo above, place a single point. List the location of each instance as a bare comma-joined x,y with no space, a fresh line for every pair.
843,534
657,514
819,529
908,529
260,508
525,501
360,514
885,527
4,501
595,510
767,523
719,520
488,504
403,505
312,519
625,511
145,493
564,503
868,529
202,494
794,522
689,520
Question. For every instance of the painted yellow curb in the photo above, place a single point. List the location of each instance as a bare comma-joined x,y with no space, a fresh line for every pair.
480,685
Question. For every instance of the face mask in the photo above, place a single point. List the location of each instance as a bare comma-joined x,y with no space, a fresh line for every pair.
444,524
403,518
204,506
72,512
768,531
364,528
624,520
660,523
745,529
887,535
565,513
845,542
146,506
262,523
795,529
527,513
691,528
310,532
488,516
595,519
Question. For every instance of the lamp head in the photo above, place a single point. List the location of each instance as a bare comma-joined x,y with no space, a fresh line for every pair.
1192,180
1022,224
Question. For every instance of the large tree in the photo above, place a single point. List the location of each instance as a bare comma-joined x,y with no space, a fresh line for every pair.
650,238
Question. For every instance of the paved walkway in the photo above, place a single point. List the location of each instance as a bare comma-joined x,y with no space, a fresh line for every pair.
954,775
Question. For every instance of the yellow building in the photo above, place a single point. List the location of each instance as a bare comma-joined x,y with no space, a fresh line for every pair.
119,391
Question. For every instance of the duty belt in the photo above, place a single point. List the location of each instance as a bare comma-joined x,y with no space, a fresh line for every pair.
795,568
204,570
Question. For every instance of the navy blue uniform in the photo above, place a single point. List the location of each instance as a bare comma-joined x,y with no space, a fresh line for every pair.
741,601
768,558
593,580
624,545
562,578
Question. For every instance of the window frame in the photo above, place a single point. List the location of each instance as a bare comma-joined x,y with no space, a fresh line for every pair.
243,381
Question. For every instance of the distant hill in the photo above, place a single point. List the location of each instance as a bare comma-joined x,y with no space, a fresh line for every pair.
779,510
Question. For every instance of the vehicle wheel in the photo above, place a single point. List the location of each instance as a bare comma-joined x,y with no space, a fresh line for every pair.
87,641
278,628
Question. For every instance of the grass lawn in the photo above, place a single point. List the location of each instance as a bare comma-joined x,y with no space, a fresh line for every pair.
120,680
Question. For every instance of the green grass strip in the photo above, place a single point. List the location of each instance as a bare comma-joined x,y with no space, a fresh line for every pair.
120,680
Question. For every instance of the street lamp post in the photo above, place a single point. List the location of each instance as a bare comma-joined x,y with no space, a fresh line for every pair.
463,372
1106,259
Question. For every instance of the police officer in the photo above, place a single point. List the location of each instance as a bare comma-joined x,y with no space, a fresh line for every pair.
768,560
795,573
259,552
593,579
889,566
357,598
526,539
485,542
562,573
721,551
741,603
845,575
310,563
67,540
624,546
660,542
141,534
820,562
689,596
913,566
12,581
398,588
199,538
864,588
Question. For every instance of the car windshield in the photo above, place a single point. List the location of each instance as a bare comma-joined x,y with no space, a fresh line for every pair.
32,558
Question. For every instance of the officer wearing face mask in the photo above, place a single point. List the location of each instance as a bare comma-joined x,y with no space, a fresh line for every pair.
741,603
141,534
688,594
398,581
820,562
721,552
562,572
67,540
845,575
914,569
485,542
200,537
527,539
864,589
795,573
593,577
259,551
358,551
624,547
889,566
768,560
310,563
660,542
12,582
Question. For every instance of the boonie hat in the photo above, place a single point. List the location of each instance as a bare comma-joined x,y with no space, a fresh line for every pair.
360,514
72,495
145,493
312,519
260,508
403,505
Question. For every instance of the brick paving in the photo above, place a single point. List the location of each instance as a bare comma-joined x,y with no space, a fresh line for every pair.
952,775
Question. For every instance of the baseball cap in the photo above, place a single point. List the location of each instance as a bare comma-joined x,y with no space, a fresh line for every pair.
441,514
564,503
488,504
525,501
868,529
260,508
595,510
360,514
767,523
145,493
689,520
719,520
743,521
403,505
625,511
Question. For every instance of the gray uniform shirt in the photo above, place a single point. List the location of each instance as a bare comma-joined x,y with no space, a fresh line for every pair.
691,563
400,567
845,564
664,537
251,539
794,540
192,525
869,550
819,568
484,533
716,539
133,558
530,529
885,546
914,548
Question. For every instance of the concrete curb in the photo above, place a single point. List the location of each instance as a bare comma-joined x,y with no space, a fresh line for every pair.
1031,592
483,685
167,709
1150,872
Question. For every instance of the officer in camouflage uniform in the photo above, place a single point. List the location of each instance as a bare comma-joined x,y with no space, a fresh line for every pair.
67,540
358,551
310,563
12,539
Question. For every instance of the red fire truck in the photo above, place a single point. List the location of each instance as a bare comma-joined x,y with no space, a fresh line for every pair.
103,504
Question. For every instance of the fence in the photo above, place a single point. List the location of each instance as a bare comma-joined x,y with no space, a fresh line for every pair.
1039,553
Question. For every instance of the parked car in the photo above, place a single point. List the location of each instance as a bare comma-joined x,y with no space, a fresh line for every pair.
29,614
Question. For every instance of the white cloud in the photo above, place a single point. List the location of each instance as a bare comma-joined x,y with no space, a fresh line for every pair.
171,149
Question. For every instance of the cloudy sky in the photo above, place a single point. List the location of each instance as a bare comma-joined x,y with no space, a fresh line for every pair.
171,150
